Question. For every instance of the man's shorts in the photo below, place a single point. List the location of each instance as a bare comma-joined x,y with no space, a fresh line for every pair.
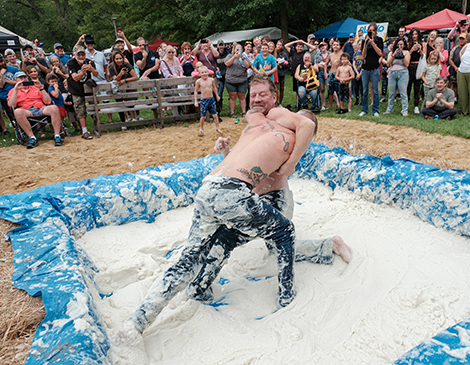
333,84
344,93
208,105
36,111
79,106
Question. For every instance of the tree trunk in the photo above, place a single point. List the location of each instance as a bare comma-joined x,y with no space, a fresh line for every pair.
284,30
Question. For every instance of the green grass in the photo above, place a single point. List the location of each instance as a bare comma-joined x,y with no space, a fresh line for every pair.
459,126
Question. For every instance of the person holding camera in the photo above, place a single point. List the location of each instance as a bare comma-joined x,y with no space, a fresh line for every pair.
147,61
236,77
30,59
122,72
416,47
101,65
80,71
398,61
207,54
30,98
462,27
372,48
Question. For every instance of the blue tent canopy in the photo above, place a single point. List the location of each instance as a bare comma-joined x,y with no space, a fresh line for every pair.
339,29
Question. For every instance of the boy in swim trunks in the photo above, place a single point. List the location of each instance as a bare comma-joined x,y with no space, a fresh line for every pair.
207,86
344,75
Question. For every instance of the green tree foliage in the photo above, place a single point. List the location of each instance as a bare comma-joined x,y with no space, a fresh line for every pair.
188,20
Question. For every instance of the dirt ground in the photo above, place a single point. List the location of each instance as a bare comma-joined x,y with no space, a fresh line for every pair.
133,150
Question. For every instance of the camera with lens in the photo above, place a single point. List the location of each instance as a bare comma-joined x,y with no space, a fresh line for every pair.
463,22
399,55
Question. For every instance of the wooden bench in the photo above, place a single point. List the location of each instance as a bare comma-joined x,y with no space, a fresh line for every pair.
156,94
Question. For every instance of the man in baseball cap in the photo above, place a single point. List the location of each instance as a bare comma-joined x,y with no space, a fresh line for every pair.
12,60
59,52
31,101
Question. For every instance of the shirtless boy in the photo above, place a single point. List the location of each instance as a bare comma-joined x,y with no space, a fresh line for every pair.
207,86
334,59
344,75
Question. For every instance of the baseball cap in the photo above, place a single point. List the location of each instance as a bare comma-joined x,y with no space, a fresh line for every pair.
27,46
78,49
310,36
19,74
351,35
322,44
119,40
463,35
57,45
9,51
220,41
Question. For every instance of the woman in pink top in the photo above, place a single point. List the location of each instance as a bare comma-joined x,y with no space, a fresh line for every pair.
443,56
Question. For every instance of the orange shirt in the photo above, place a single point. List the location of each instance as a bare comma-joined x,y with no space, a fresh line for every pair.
28,98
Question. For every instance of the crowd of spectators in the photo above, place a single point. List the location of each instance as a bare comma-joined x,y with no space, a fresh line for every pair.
436,74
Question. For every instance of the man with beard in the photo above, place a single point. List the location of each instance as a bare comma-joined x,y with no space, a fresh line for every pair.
59,52
80,70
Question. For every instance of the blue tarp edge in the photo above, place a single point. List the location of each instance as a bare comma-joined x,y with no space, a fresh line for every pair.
53,216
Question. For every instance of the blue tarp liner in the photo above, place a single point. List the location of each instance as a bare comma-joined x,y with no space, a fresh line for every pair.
49,263
340,29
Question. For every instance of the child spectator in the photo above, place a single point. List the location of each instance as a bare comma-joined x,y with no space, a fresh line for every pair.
265,62
195,73
55,94
207,86
357,65
344,75
430,73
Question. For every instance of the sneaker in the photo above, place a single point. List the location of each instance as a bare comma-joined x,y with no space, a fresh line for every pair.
244,114
376,114
322,108
416,110
339,111
33,142
58,141
387,112
87,135
6,133
404,113
357,102
140,118
233,115
361,114
382,100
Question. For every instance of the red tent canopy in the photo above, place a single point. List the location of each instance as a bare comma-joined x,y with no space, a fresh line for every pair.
444,19
156,43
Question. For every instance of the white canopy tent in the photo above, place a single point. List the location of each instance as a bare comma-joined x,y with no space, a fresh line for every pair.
243,35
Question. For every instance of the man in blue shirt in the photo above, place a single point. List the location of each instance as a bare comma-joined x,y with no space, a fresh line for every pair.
265,62
59,52
7,82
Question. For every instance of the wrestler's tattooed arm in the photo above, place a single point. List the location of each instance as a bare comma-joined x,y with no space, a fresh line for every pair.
256,175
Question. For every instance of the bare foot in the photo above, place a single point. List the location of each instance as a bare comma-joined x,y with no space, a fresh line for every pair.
128,346
342,249
201,133
219,131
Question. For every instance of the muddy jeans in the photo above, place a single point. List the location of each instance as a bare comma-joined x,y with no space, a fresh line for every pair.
223,207
316,251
